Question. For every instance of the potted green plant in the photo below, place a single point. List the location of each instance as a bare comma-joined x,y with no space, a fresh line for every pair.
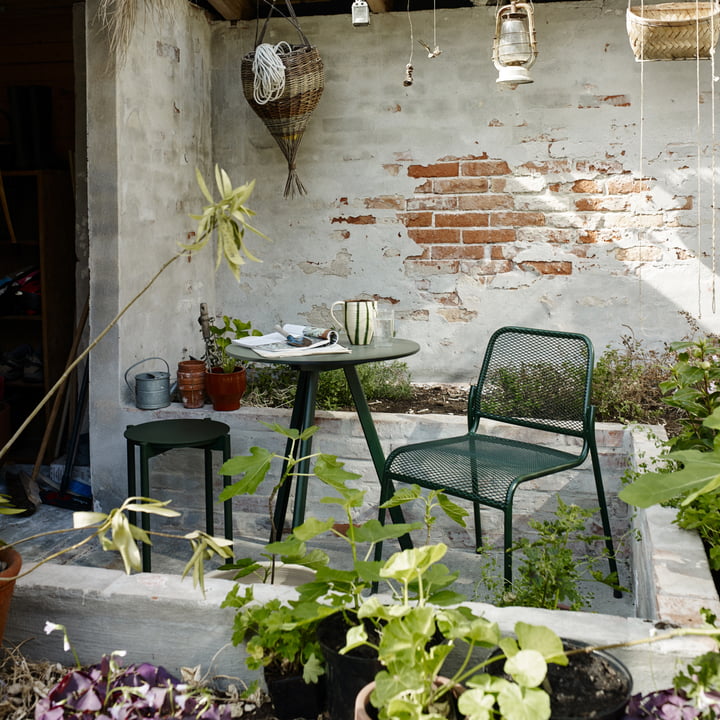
225,378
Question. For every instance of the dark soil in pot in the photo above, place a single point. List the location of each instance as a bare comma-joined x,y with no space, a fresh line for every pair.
593,686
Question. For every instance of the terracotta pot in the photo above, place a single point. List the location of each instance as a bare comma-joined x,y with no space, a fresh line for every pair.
14,562
191,383
225,389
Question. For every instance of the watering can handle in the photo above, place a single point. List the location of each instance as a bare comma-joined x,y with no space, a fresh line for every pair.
140,362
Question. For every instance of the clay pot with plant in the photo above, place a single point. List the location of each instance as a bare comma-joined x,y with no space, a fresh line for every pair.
225,378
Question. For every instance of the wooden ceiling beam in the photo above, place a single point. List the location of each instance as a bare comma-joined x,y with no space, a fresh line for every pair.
235,9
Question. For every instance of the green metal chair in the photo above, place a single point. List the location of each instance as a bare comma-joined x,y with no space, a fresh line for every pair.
538,379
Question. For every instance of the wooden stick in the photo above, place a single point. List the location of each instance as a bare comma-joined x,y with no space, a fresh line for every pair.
61,391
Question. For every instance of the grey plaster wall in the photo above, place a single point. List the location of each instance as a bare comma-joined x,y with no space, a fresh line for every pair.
148,128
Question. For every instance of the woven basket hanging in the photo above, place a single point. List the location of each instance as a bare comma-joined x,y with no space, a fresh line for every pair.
673,31
287,117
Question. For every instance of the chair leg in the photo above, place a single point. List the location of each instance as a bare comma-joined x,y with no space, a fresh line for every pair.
507,556
604,513
478,528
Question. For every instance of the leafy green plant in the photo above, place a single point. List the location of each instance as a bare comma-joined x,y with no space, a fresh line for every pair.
220,337
115,532
694,388
626,384
274,385
550,571
273,637
413,659
229,217
509,390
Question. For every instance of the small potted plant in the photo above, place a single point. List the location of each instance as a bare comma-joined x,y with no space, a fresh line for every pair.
225,379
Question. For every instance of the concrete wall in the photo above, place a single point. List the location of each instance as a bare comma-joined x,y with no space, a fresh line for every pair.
466,204
148,128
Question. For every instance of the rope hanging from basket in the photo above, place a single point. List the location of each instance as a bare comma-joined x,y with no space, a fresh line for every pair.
286,111
269,72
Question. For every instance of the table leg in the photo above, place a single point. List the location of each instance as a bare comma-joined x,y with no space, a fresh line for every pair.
373,442
303,415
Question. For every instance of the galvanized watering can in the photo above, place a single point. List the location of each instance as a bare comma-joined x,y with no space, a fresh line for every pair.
152,389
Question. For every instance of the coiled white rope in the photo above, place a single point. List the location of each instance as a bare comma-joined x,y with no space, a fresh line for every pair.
269,72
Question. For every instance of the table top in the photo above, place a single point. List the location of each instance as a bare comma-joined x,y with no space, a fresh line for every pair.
358,355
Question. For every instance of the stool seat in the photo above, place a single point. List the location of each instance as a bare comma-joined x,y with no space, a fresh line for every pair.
177,433
159,436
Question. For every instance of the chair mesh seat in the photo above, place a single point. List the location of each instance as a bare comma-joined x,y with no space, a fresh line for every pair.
475,467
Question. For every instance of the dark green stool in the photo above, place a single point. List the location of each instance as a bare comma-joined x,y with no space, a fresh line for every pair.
159,436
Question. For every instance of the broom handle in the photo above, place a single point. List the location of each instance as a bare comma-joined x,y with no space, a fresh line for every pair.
291,18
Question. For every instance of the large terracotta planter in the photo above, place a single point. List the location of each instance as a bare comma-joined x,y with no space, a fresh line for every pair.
14,564
225,389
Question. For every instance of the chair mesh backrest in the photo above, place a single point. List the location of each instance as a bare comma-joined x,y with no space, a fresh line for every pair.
535,378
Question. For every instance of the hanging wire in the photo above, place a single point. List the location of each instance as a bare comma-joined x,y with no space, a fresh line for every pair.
713,80
698,171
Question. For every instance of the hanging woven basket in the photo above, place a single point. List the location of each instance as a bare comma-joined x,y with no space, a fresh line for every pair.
673,31
287,116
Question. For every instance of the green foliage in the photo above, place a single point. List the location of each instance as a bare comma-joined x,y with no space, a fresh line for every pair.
116,533
229,216
407,689
626,383
522,391
389,381
220,337
274,385
273,636
694,388
703,515
550,571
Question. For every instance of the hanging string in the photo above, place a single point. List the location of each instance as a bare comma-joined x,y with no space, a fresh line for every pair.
409,67
269,72
641,235
435,50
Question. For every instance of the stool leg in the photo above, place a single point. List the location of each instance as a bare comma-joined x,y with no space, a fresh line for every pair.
145,492
209,520
132,516
227,480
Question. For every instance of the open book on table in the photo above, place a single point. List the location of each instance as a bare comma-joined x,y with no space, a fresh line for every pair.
294,341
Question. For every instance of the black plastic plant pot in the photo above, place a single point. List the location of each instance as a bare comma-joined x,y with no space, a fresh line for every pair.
346,675
593,686
293,698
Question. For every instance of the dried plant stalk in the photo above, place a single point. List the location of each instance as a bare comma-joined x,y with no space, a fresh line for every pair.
119,17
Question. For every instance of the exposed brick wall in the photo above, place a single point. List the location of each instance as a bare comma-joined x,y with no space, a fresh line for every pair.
482,210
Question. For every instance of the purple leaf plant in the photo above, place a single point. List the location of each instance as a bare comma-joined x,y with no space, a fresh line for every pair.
670,704
107,691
